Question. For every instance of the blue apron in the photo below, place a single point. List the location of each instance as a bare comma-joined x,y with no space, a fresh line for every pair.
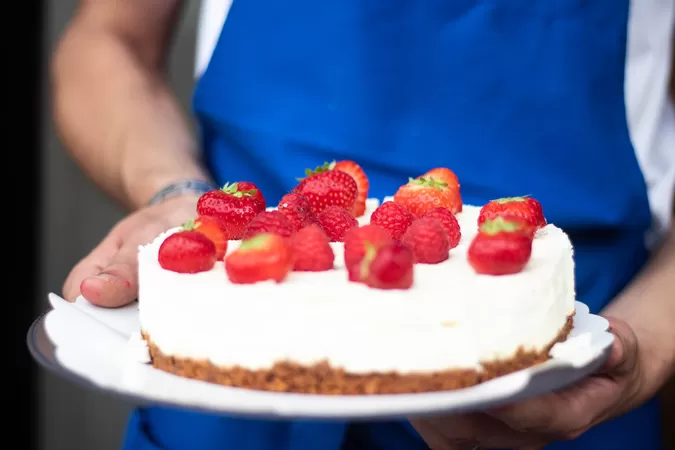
516,96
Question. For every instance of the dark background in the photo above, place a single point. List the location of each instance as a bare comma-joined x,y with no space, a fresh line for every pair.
53,218
22,65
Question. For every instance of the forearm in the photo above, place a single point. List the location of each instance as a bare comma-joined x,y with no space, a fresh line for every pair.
648,305
118,118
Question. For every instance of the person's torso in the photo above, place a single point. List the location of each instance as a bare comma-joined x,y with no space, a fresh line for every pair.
564,100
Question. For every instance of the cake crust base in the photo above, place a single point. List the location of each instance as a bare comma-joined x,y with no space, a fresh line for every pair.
323,379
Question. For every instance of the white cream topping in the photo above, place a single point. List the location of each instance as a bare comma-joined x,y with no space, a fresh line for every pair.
451,318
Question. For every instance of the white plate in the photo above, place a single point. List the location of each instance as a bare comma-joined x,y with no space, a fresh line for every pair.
89,345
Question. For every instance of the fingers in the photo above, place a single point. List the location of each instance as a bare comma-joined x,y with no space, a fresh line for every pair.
116,284
107,276
433,437
562,415
466,431
570,412
90,265
566,414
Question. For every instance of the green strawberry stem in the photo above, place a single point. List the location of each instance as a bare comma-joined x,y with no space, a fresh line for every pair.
370,251
427,182
499,225
257,242
189,225
325,167
503,200
233,189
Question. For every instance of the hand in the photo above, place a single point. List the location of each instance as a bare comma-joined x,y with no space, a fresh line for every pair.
562,415
108,275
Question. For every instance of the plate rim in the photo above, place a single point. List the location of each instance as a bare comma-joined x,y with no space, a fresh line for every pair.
39,342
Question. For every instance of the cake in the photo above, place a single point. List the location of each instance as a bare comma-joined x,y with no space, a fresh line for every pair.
448,323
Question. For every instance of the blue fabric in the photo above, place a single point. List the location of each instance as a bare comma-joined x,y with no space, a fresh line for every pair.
517,97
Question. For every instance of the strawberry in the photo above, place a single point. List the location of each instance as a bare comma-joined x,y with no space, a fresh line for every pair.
422,194
266,256
247,186
393,217
427,240
356,240
324,187
387,267
212,228
187,252
449,223
362,184
233,207
269,222
297,209
447,176
500,248
524,209
311,250
336,221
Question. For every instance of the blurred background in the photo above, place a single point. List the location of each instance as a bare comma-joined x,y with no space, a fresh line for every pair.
73,217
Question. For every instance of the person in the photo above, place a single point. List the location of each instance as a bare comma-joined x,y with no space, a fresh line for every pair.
561,99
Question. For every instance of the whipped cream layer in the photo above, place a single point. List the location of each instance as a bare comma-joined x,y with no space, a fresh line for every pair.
452,318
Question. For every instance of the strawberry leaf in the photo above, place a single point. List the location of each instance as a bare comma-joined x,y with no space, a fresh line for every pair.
370,251
257,242
428,182
325,167
499,224
233,189
504,200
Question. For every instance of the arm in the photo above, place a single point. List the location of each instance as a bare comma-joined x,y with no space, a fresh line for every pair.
648,306
112,106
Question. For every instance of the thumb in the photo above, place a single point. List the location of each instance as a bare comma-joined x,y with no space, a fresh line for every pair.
624,353
116,284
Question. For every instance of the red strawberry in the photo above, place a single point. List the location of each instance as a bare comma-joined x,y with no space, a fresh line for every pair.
234,208
447,176
212,228
388,267
362,184
422,194
500,248
427,240
269,222
311,250
356,240
324,187
264,257
336,221
449,223
187,252
523,209
393,217
297,209
247,186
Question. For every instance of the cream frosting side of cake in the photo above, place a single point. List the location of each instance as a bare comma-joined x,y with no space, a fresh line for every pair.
452,318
